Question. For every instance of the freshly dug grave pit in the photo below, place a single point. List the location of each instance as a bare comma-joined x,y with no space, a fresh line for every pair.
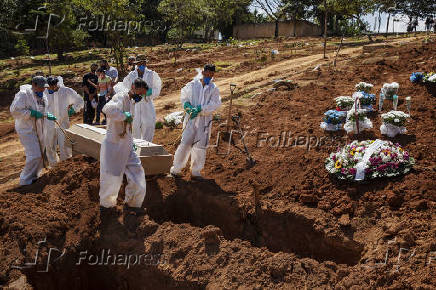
203,203
62,210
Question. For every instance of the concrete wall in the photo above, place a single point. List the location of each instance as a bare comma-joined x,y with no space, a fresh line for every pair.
266,30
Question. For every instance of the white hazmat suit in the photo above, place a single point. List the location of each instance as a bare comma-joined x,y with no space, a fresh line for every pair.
196,134
30,131
117,157
58,104
144,120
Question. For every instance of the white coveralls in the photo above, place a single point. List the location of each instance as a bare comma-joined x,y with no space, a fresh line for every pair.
195,137
58,104
117,157
144,115
32,138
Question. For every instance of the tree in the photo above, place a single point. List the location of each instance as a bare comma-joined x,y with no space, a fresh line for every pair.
297,9
275,9
118,14
220,13
61,28
184,16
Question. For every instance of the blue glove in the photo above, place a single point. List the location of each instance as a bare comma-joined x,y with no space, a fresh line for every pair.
36,114
51,117
71,111
149,92
128,116
199,109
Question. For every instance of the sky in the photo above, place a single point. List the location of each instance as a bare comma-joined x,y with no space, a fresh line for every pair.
400,26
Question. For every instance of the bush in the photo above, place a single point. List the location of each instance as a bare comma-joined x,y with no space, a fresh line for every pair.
79,38
159,125
22,48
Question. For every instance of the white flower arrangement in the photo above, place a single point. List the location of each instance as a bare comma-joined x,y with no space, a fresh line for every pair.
386,160
389,90
430,83
344,103
174,119
393,123
364,87
430,77
353,117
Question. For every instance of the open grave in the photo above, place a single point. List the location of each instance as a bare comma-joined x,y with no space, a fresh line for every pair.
181,247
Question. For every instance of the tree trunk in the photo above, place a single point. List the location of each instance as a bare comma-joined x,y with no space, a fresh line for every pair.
387,24
295,24
276,32
325,28
379,21
335,21
61,56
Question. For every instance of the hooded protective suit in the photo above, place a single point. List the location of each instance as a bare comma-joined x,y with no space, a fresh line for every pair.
144,115
117,157
30,131
58,104
195,137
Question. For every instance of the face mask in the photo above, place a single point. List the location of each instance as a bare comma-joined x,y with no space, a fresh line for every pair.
39,94
137,98
149,92
207,80
50,91
141,67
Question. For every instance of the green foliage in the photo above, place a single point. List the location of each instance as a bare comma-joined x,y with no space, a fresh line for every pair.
79,38
185,17
21,47
115,10
159,125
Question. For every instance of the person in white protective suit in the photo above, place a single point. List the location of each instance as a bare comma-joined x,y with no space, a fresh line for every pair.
29,110
200,98
63,102
117,155
144,115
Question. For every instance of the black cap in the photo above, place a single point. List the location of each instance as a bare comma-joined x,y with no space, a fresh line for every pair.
209,67
140,84
52,80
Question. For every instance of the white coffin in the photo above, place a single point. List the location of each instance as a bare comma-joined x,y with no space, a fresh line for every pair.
87,140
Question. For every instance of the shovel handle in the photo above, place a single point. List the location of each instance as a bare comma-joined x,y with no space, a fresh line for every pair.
232,89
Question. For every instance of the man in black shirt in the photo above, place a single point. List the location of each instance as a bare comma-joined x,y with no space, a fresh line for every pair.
90,93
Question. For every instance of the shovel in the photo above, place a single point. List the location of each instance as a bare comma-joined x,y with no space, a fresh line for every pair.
232,90
250,161
63,132
43,155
